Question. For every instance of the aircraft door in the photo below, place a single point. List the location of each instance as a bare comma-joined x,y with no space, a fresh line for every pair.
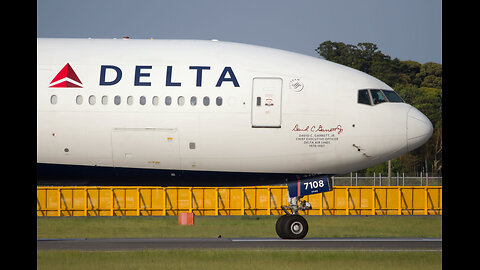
145,148
267,102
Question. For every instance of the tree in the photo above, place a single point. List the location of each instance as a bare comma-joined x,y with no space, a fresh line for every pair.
431,75
410,69
397,166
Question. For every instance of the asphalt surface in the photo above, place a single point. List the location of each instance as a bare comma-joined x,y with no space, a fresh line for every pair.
380,244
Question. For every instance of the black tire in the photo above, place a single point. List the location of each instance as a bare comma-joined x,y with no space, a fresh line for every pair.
294,227
280,225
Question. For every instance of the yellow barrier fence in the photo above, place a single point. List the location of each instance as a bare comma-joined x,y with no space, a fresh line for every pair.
222,201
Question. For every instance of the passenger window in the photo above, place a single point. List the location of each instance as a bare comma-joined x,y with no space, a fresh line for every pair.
105,100
363,97
79,99
181,101
143,100
129,100
206,101
168,100
193,101
92,100
392,96
155,100
53,99
117,100
219,101
377,96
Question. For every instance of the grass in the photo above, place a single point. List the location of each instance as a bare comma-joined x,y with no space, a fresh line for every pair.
236,227
238,259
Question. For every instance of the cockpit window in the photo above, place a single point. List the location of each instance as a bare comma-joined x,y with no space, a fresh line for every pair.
392,96
377,96
363,97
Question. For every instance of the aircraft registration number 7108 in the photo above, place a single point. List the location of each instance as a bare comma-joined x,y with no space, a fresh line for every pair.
314,184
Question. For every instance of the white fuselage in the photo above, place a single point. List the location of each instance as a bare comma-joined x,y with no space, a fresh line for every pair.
140,104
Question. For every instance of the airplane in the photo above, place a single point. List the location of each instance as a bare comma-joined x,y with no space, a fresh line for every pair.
207,112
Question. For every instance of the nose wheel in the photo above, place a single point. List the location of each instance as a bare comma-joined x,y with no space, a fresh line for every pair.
291,227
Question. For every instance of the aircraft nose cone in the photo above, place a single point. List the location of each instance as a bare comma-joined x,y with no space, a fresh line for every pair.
419,129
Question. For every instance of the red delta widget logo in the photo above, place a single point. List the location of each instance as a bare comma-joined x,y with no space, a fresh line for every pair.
66,78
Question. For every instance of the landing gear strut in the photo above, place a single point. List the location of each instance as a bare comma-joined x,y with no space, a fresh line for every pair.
291,225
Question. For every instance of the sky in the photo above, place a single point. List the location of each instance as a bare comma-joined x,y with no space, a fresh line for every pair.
403,29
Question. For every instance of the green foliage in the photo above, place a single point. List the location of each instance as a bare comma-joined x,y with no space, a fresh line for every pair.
397,166
418,84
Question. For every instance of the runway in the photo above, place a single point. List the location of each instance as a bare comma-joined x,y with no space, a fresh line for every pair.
375,244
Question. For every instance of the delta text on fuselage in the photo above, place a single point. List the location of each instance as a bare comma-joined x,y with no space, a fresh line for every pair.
142,73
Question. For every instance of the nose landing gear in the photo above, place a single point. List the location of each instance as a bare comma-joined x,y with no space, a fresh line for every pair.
292,225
